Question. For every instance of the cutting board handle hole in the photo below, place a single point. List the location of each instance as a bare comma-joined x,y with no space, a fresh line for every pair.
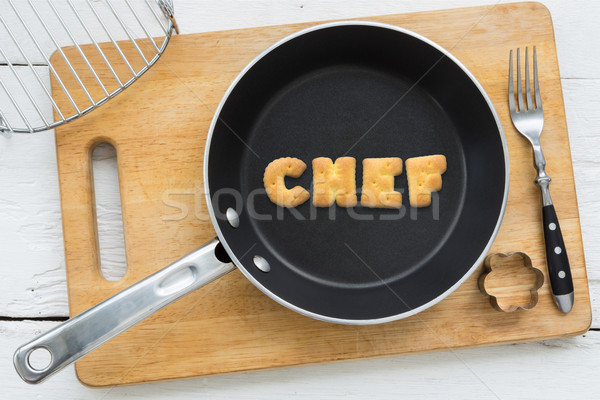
107,212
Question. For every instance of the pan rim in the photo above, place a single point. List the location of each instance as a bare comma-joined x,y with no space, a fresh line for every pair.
292,306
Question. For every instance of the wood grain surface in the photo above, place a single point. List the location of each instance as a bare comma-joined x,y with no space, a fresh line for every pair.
159,127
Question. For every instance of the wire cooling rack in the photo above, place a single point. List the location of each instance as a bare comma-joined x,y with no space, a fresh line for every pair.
103,45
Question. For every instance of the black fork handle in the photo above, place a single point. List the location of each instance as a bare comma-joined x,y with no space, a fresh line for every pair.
559,270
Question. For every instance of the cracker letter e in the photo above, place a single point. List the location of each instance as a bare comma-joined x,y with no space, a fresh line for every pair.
378,183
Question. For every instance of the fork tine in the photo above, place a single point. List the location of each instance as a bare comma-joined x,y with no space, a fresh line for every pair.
519,85
511,85
527,85
536,86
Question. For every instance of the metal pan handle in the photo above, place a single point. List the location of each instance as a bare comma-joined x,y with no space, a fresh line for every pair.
83,333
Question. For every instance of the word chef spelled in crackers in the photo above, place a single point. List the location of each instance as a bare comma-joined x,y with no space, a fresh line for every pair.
274,181
335,182
424,176
378,183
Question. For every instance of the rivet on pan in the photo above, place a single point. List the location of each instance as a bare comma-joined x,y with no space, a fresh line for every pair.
261,264
232,217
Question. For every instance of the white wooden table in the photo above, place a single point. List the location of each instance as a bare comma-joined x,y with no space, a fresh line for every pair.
33,296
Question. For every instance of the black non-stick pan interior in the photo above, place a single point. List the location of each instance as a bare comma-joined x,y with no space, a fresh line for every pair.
362,91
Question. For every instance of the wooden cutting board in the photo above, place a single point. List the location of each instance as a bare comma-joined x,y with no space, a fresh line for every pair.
159,127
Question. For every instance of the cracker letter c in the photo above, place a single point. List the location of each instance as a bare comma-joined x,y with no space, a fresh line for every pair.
274,181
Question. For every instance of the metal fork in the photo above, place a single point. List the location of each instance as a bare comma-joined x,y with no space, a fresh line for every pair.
529,121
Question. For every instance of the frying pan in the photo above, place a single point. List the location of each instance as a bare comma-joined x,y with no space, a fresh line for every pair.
358,89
